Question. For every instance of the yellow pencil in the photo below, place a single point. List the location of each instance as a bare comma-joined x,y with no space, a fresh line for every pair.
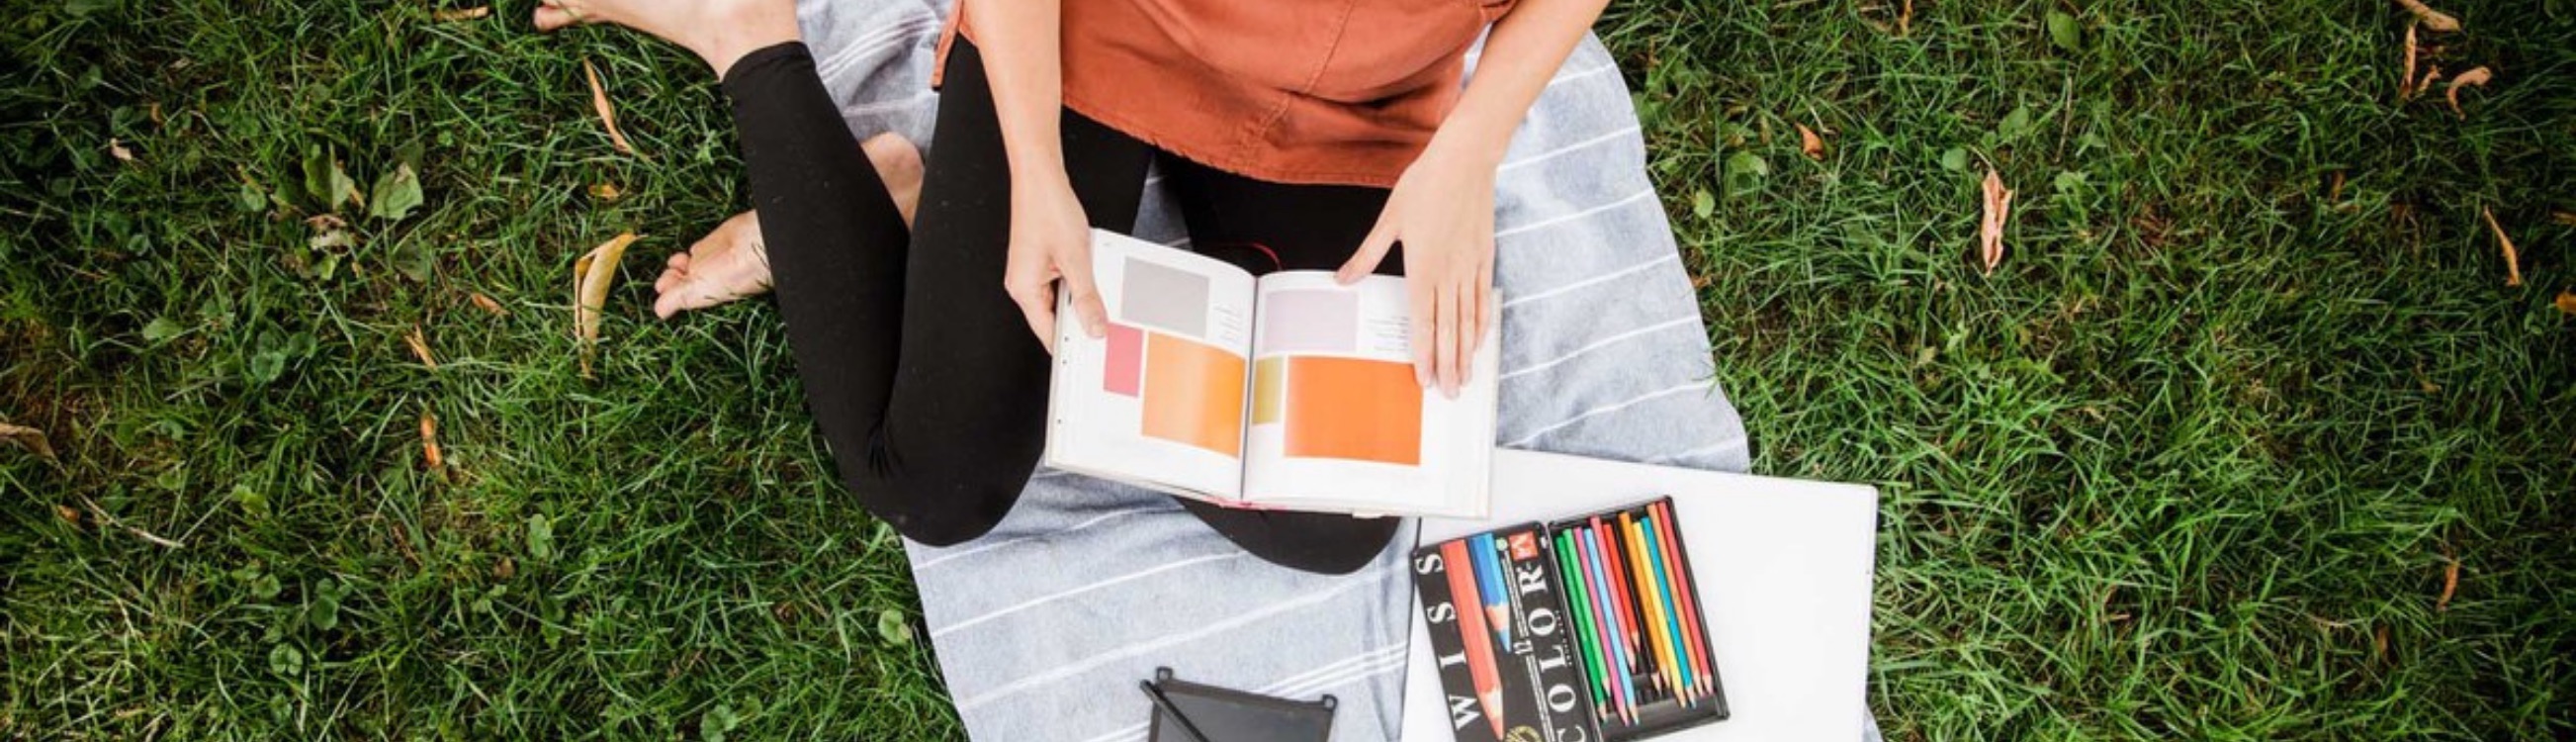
1654,614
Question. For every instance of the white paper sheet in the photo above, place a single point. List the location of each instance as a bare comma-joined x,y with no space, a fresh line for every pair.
1784,570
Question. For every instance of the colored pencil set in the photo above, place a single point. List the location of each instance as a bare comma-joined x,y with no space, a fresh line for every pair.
1596,618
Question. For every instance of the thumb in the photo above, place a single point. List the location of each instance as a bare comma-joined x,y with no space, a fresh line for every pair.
1372,252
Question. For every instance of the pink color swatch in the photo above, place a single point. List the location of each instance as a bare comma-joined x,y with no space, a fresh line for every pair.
1125,372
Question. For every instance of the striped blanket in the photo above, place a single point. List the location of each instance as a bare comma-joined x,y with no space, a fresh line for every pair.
1043,627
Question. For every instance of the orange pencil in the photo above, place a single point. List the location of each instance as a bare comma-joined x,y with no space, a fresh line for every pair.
1687,598
1481,670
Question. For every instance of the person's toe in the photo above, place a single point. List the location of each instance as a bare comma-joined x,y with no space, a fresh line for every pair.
670,277
550,17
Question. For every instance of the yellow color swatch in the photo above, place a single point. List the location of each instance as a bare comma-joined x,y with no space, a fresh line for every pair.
1269,384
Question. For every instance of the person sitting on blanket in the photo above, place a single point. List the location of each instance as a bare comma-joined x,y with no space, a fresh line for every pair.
1293,135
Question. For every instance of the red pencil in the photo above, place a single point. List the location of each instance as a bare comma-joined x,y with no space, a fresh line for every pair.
1622,571
1481,670
1625,621
1697,644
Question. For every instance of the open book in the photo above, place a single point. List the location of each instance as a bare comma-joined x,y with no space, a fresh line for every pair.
1289,391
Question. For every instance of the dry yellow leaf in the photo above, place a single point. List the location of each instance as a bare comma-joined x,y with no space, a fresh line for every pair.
2477,77
2450,585
606,192
2567,301
2563,217
1811,144
2512,260
450,15
488,305
2431,72
1905,19
27,438
420,347
116,148
2433,19
607,112
429,442
2406,82
1990,233
592,273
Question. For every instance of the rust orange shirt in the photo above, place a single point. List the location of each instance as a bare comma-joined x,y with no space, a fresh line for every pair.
1290,91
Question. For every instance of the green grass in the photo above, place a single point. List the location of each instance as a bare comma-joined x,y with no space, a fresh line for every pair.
2189,465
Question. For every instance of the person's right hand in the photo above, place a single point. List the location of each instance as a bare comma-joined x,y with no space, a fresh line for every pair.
1051,240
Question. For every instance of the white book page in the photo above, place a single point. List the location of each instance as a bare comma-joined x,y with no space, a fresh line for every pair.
1339,421
1159,401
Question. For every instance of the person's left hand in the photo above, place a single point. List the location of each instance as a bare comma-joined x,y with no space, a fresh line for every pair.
1442,209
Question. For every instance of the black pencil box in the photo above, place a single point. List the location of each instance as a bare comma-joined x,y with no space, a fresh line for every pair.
1539,681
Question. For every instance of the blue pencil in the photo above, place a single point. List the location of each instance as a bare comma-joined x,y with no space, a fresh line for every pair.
1489,581
1672,610
1592,564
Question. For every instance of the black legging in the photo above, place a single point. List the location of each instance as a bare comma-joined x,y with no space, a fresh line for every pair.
920,371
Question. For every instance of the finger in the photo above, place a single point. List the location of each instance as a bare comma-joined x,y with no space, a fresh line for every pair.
1488,308
1037,306
1445,343
1085,294
1419,335
1373,249
670,277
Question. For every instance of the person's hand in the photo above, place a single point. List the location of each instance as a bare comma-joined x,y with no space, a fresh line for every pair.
1442,209
1051,240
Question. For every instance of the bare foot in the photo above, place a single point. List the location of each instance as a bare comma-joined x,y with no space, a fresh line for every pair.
732,262
718,31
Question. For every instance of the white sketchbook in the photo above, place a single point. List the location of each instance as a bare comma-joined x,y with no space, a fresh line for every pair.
1287,391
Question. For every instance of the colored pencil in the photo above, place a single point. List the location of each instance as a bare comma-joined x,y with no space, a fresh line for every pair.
1664,604
1481,670
1644,577
1697,638
1627,623
1625,683
1584,645
1496,591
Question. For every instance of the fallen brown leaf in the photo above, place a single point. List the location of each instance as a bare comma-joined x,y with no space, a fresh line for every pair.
116,148
2431,72
2477,77
2566,301
2450,585
488,305
607,112
505,569
606,192
1811,144
28,438
68,515
450,15
429,442
1905,19
1998,209
2512,260
2379,641
2563,217
592,273
2406,81
420,347
2334,190
2433,19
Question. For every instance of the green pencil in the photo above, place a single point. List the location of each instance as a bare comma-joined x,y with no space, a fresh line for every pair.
1574,595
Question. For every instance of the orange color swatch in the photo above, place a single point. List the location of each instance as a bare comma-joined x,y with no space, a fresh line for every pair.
1348,408
1193,394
